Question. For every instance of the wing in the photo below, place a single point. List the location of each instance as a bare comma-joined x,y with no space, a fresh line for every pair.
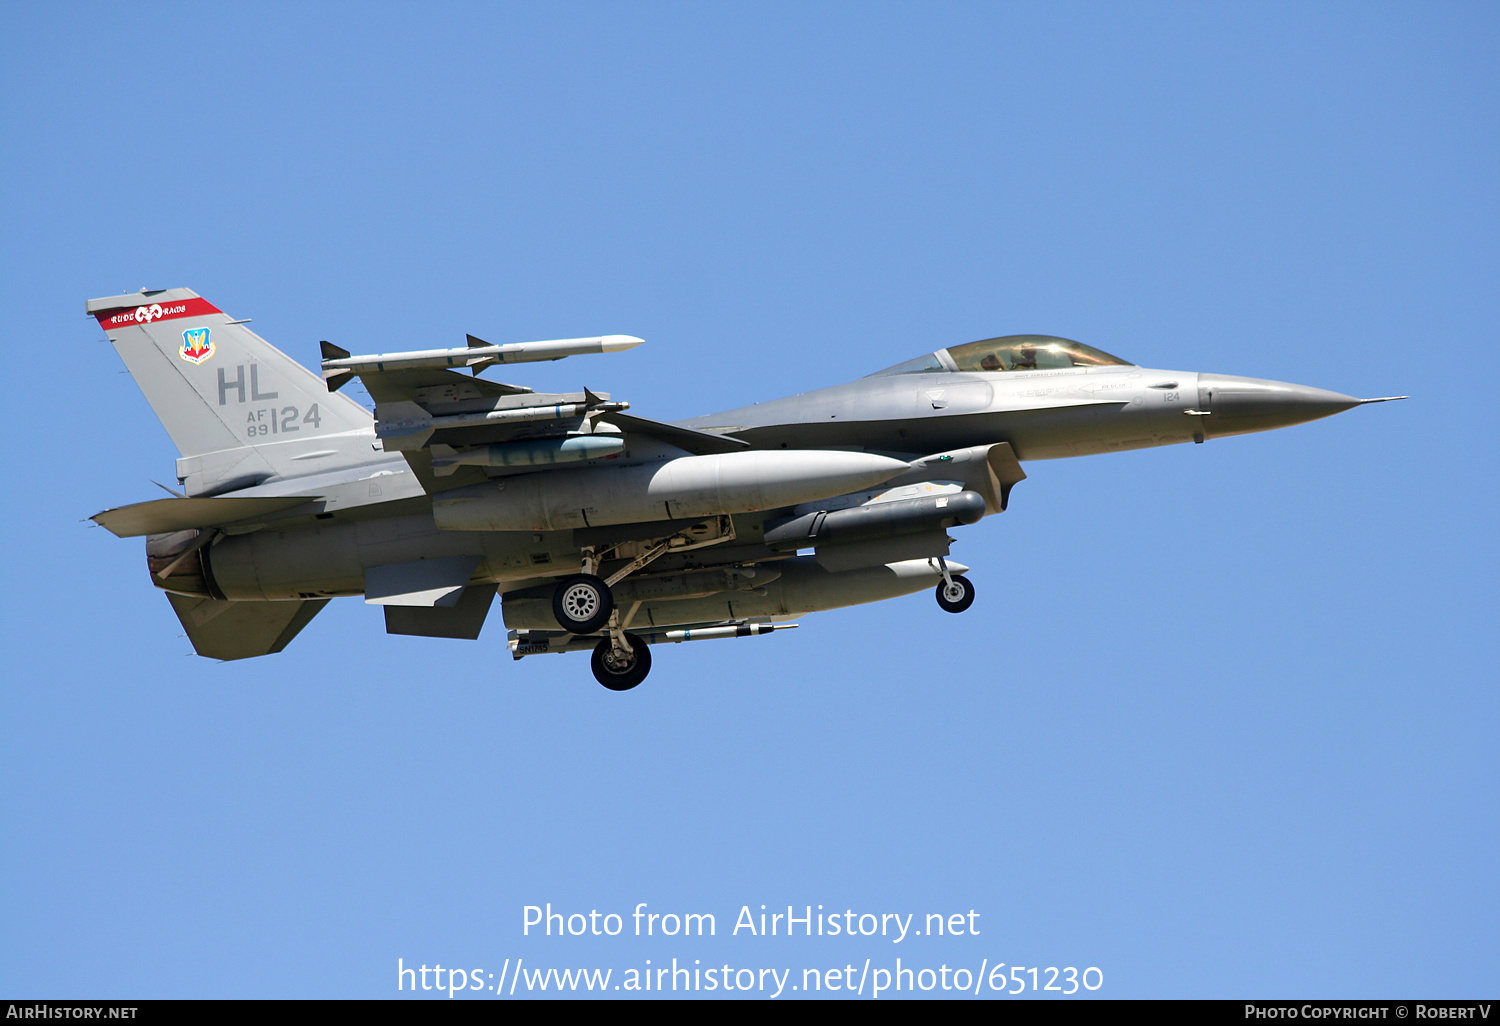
455,430
699,443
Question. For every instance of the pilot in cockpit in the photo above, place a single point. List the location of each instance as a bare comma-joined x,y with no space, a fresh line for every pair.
1010,353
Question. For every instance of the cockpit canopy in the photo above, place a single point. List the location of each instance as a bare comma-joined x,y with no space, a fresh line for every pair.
1010,353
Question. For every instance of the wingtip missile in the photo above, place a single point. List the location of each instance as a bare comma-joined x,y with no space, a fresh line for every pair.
476,355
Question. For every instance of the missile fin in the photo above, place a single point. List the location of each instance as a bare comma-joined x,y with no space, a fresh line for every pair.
444,459
335,380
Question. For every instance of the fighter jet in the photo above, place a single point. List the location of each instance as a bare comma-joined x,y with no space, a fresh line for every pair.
602,530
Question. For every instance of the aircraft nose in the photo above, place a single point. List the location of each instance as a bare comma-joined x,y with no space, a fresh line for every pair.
1237,406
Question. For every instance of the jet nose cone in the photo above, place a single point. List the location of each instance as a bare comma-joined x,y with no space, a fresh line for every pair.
1237,406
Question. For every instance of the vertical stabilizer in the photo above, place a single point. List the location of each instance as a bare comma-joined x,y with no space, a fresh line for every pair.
238,409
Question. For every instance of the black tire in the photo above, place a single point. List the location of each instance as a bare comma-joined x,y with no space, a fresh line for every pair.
609,671
582,603
959,598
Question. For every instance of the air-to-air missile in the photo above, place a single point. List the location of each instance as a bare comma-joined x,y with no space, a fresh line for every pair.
339,366
603,530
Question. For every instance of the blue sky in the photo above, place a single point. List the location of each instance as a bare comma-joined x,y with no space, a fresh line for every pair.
1222,721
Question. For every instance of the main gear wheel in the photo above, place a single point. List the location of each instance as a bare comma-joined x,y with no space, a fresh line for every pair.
618,671
582,603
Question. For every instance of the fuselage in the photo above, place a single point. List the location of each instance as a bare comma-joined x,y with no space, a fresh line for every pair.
1043,414
1044,397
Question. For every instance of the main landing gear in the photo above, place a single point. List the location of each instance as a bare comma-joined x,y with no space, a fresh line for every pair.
954,594
582,603
621,670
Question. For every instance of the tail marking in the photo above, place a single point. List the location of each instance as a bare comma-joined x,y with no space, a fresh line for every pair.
195,307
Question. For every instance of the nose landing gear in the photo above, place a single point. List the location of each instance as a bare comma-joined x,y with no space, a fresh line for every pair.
954,594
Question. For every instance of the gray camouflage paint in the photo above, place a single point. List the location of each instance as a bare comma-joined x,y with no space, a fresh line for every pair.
253,424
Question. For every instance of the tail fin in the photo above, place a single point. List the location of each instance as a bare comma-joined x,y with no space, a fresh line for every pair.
239,410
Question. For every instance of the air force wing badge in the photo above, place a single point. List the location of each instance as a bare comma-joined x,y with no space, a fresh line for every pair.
196,345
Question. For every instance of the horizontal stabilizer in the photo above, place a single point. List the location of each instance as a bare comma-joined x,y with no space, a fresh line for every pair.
241,630
159,516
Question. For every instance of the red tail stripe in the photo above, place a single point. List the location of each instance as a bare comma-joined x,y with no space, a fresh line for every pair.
149,312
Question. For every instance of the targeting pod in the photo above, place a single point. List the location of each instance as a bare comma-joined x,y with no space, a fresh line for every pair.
876,520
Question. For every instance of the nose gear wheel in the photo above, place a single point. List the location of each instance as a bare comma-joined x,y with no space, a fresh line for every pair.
955,594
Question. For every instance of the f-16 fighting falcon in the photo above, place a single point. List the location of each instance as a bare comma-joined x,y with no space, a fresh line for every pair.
603,531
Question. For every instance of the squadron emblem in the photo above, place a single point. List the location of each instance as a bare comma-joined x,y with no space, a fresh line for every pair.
196,346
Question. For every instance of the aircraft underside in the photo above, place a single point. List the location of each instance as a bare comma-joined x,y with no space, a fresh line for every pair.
620,588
